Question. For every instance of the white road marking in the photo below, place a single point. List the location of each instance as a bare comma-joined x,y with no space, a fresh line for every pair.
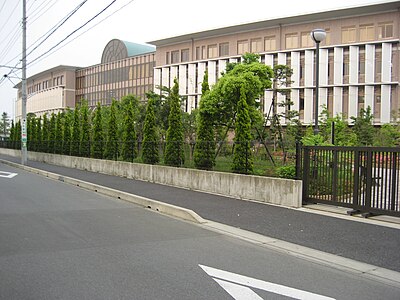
7,174
236,285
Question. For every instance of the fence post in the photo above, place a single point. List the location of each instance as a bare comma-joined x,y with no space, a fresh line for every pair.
394,181
306,172
356,187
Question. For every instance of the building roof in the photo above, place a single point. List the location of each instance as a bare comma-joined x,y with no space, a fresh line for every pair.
290,20
118,49
60,68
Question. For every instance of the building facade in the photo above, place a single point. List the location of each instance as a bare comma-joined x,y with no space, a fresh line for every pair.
126,68
49,91
359,59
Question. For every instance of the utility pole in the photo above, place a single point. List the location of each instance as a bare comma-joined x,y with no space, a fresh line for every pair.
24,134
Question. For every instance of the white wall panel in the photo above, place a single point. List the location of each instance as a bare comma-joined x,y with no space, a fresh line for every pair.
338,66
174,74
165,77
295,65
221,67
323,67
295,97
308,106
182,79
337,101
353,64
386,62
385,103
200,75
309,68
212,68
269,60
353,102
192,79
369,63
369,97
157,80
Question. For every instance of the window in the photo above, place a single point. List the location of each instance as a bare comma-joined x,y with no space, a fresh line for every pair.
292,40
203,52
198,53
174,57
167,58
385,30
224,49
269,43
256,46
306,40
184,55
327,40
212,51
242,47
367,32
348,34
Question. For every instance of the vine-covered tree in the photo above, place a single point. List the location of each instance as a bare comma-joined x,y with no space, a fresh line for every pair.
204,153
129,151
111,150
85,130
150,153
242,157
76,132
174,148
98,133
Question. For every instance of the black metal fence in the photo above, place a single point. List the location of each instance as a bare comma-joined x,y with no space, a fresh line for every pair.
365,179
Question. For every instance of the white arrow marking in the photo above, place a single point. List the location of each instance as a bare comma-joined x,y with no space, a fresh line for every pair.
237,286
7,174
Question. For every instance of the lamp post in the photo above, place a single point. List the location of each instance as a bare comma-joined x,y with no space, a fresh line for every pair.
318,35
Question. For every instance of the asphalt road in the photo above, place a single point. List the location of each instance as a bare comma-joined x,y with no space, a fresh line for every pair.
58,241
368,243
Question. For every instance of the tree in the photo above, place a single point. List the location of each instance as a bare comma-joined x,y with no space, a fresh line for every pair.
242,158
174,148
38,135
129,152
76,132
85,130
52,134
66,146
45,134
111,151
150,153
59,134
363,127
204,153
97,140
4,124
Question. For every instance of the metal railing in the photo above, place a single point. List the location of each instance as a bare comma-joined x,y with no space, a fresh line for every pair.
365,179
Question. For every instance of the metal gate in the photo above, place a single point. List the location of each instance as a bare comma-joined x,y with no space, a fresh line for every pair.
365,179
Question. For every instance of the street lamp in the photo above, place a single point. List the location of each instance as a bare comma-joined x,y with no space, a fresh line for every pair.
318,35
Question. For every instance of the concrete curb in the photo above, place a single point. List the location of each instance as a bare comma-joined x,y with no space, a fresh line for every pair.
361,269
165,208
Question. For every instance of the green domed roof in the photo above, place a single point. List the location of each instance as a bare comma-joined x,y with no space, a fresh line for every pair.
117,49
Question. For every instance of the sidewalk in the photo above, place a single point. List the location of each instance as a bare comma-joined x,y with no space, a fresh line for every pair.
344,236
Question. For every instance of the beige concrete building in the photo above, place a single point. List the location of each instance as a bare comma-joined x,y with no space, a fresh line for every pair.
125,68
359,60
49,91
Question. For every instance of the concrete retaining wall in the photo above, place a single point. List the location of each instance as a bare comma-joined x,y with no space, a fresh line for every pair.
278,191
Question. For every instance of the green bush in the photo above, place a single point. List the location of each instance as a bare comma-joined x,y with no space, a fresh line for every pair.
288,171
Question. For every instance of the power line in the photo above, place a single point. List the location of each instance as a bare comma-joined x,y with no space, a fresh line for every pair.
62,23
80,27
43,12
55,50
15,7
3,5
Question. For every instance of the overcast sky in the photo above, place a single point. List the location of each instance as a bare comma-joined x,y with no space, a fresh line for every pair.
129,20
